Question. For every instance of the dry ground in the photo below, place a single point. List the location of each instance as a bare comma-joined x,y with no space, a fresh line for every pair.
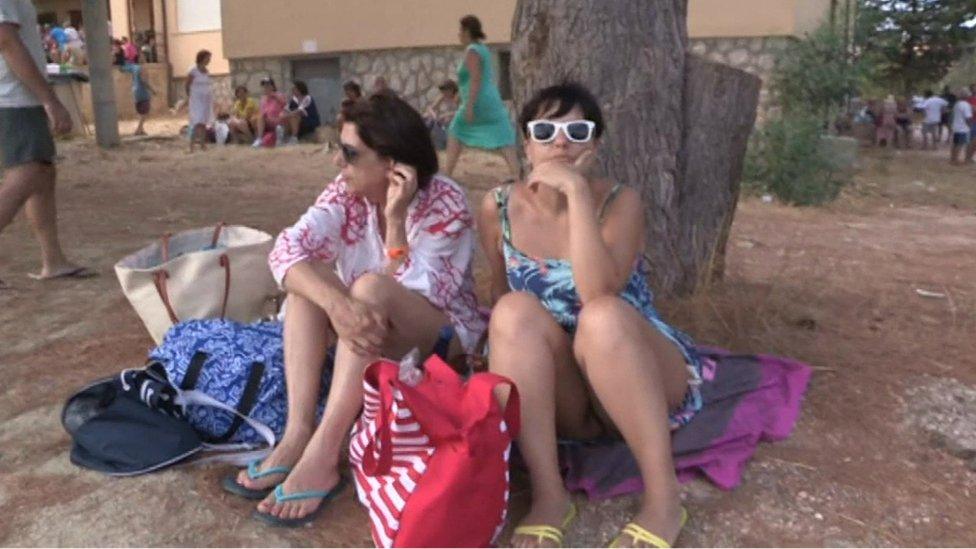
835,287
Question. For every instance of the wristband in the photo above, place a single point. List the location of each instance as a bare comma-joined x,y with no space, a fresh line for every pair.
396,253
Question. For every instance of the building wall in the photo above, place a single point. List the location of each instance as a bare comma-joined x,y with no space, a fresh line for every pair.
343,25
756,55
414,73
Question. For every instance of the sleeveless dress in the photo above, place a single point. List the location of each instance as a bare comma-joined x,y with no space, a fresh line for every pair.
201,98
551,280
491,127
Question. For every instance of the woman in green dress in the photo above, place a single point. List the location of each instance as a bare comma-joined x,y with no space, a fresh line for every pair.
482,121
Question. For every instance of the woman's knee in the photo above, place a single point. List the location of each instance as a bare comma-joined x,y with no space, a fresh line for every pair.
603,322
373,288
515,314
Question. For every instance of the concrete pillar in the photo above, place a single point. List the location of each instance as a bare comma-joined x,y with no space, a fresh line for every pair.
99,45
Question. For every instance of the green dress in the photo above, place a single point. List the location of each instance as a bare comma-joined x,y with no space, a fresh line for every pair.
491,127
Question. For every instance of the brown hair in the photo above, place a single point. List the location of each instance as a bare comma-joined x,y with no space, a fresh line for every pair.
201,55
392,128
472,24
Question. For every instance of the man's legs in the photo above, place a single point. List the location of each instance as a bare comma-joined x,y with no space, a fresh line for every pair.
32,185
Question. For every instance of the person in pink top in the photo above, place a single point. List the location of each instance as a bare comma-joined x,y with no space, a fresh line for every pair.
130,51
379,265
272,105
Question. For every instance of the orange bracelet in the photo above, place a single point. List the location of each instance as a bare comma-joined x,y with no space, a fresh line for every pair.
396,253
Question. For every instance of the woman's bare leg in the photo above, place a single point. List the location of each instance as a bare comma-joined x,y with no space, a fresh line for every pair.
627,361
413,322
454,148
308,335
527,346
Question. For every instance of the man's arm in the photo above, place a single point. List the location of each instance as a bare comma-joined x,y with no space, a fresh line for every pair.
22,65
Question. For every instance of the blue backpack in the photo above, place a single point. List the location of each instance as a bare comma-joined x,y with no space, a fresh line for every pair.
239,365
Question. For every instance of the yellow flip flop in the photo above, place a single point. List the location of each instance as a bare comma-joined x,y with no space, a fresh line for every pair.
641,535
544,532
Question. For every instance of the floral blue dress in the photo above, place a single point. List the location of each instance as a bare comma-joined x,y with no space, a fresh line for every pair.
551,280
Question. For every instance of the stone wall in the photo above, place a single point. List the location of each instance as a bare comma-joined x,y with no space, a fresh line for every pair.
223,91
414,73
753,55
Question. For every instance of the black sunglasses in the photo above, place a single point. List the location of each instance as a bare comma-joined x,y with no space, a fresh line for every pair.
349,154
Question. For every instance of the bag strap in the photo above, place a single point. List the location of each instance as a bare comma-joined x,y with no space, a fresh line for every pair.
193,370
483,386
237,453
384,374
225,263
159,279
250,397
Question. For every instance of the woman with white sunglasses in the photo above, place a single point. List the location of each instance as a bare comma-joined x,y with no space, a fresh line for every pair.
574,323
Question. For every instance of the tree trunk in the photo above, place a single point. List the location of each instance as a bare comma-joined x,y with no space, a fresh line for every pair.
632,55
95,14
720,110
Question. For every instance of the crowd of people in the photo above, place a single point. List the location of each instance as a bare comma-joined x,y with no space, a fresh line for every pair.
944,118
383,264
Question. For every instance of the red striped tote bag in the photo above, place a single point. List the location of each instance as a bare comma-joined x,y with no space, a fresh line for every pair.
430,460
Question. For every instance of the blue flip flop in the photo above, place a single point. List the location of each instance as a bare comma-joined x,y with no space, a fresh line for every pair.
279,493
231,485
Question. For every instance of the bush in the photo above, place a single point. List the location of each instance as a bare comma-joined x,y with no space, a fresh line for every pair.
788,159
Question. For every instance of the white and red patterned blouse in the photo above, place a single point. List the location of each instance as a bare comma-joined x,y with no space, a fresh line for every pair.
343,228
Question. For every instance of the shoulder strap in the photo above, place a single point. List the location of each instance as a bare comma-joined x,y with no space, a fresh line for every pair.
614,191
502,193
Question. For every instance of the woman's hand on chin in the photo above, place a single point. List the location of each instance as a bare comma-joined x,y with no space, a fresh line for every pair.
563,176
362,328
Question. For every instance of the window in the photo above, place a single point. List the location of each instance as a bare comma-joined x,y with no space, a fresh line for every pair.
197,15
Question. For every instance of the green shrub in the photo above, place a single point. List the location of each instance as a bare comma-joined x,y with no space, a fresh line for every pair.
788,159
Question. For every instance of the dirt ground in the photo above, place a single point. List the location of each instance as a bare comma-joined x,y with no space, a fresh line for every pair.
835,287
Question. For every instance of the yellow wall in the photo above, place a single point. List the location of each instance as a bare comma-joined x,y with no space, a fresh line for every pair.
344,25
183,47
751,18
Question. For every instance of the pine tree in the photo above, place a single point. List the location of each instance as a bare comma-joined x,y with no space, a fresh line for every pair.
913,43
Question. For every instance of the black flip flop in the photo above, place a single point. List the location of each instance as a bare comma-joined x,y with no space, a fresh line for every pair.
77,273
279,493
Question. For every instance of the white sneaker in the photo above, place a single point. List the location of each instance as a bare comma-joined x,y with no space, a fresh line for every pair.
257,143
292,140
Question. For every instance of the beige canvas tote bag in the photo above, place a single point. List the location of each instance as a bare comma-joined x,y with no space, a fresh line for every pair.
217,272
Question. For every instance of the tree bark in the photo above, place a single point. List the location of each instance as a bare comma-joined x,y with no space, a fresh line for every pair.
720,111
631,55
657,104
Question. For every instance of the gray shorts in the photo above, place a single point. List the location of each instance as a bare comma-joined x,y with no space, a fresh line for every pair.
25,136
931,128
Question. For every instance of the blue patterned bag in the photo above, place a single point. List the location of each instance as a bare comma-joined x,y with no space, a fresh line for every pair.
240,365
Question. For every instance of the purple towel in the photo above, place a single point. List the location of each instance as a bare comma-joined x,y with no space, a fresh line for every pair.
746,399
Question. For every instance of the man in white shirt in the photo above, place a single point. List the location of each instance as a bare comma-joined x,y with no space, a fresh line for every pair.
27,152
962,117
933,107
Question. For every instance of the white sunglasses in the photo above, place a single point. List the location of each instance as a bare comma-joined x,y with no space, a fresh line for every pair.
577,131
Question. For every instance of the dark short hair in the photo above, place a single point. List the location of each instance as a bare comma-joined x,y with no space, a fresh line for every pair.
448,85
240,88
562,97
394,129
928,93
301,86
201,55
472,24
353,87
269,82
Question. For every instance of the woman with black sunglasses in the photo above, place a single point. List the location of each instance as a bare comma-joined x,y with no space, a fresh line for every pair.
379,265
574,323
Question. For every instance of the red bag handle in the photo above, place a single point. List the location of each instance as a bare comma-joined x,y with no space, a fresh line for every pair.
381,375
